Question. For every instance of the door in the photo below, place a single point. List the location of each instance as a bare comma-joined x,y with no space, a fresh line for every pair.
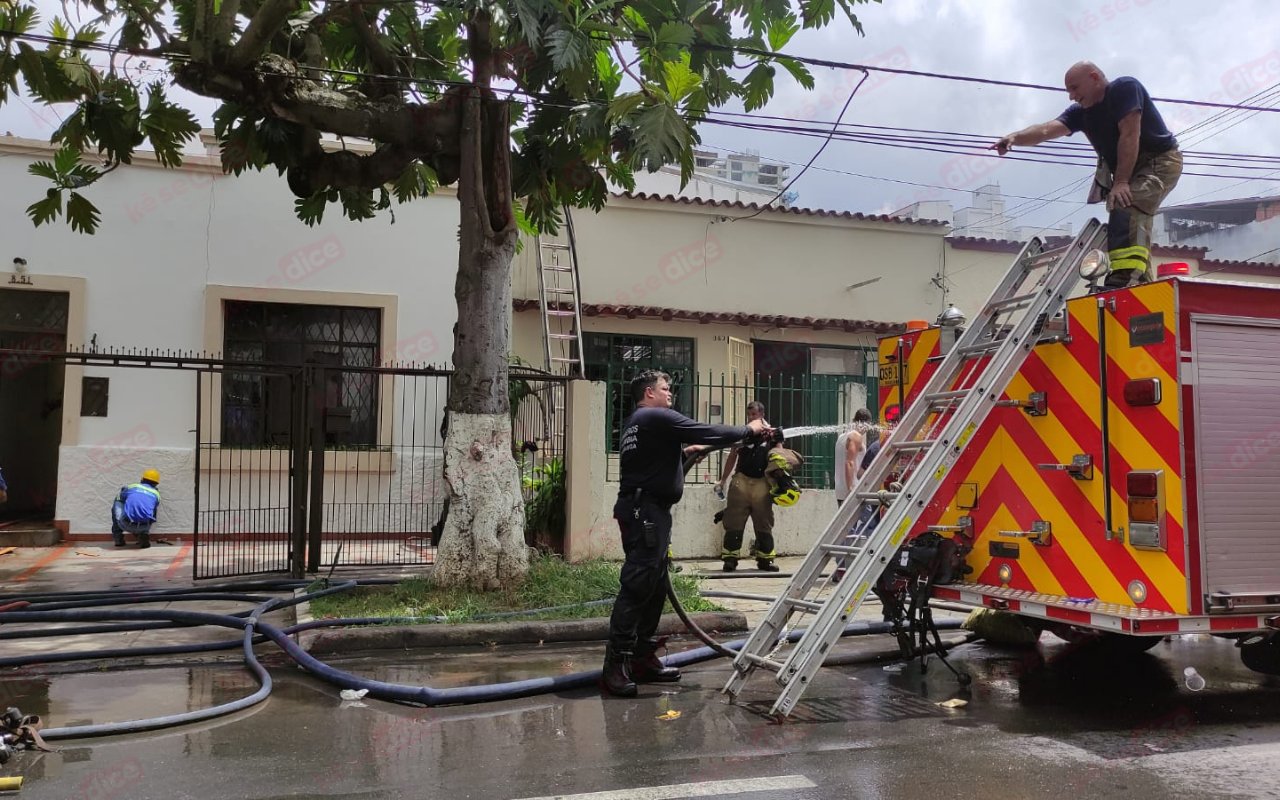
1237,401
31,400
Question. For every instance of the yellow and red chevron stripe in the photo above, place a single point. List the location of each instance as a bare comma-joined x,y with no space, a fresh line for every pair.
1005,457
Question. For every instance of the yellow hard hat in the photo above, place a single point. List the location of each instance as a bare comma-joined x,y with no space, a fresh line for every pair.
786,497
151,475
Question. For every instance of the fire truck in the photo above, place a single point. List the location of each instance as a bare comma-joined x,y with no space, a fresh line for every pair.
1126,485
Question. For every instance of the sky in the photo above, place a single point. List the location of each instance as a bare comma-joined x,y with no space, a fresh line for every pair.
1186,49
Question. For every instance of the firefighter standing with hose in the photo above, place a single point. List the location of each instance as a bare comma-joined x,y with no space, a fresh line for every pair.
1139,162
651,482
748,496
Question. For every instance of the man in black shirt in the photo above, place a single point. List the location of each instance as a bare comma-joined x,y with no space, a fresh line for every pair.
652,481
1138,160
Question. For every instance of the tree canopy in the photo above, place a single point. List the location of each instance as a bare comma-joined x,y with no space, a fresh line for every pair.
597,89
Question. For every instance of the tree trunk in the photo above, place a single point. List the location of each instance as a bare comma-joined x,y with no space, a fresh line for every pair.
483,545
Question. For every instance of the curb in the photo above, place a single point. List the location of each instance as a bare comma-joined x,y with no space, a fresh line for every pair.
405,637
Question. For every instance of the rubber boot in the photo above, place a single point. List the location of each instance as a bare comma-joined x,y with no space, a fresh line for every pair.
646,667
616,678
766,565
730,564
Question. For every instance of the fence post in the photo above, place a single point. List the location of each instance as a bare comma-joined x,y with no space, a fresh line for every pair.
299,485
584,477
315,521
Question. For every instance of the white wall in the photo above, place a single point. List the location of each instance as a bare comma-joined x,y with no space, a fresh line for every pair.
167,234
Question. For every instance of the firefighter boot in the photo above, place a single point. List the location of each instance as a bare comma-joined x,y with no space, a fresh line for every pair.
616,678
730,564
766,565
646,667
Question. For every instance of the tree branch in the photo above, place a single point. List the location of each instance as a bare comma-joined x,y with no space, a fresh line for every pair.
472,184
202,18
226,23
381,57
264,25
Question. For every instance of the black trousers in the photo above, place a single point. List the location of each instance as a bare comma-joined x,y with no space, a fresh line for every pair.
646,535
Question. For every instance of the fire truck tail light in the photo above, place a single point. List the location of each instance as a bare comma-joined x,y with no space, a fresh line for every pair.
1142,392
1143,484
1144,509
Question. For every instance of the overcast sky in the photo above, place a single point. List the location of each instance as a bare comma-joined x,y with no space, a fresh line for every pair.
1190,49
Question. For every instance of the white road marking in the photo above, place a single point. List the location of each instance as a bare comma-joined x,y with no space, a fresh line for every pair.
682,790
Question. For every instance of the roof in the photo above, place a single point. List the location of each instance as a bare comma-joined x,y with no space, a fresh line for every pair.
804,212
1010,246
1210,265
725,318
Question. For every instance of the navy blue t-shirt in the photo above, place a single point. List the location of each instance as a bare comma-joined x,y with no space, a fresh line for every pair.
650,450
1101,122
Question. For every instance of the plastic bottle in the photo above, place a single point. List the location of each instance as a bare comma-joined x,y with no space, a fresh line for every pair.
719,492
1194,681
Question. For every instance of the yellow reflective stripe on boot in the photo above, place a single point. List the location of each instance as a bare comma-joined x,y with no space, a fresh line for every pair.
1133,257
730,554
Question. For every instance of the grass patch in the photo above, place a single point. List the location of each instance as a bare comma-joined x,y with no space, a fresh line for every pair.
551,582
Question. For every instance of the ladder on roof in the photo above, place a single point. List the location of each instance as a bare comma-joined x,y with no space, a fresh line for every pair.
868,528
559,296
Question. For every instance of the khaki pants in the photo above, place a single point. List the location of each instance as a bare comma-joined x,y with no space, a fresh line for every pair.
748,498
1129,229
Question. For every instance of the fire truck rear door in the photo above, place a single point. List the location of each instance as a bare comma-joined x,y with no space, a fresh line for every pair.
1237,401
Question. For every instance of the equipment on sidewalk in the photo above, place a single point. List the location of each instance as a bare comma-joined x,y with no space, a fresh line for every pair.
919,454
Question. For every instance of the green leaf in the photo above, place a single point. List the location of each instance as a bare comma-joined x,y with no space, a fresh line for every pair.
780,32
46,210
32,67
608,73
680,80
798,71
311,209
624,105
82,214
43,169
79,71
58,29
167,126
674,34
568,48
65,160
817,13
758,86
661,136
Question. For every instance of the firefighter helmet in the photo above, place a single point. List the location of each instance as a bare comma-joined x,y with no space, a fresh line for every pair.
786,497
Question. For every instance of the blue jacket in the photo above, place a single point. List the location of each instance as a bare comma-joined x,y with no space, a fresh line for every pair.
140,502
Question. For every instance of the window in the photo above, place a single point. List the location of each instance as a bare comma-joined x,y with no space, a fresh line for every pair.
257,408
617,358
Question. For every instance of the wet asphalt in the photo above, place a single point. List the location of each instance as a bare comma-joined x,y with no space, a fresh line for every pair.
1053,721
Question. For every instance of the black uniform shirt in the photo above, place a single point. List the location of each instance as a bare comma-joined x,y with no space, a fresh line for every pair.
650,450
753,458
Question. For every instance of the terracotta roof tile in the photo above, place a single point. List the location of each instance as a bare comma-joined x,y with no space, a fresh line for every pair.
806,212
725,317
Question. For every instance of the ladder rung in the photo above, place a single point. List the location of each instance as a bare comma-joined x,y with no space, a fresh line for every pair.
1046,258
572,336
761,661
875,495
557,269
554,290
937,397
805,604
558,313
555,246
914,444
565,360
842,549
981,348
1012,301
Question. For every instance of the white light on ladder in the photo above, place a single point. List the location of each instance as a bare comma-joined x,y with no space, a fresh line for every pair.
1094,264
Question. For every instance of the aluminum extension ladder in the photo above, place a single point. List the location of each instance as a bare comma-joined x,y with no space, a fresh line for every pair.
559,295
868,528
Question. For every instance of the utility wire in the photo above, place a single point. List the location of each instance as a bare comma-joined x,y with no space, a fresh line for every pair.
826,142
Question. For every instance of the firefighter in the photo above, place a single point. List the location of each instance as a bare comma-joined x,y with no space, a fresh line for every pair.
1139,162
134,510
748,497
651,482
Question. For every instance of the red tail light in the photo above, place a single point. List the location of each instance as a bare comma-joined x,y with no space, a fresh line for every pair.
1142,392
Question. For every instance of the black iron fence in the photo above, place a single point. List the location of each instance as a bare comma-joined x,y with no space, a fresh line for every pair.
823,401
